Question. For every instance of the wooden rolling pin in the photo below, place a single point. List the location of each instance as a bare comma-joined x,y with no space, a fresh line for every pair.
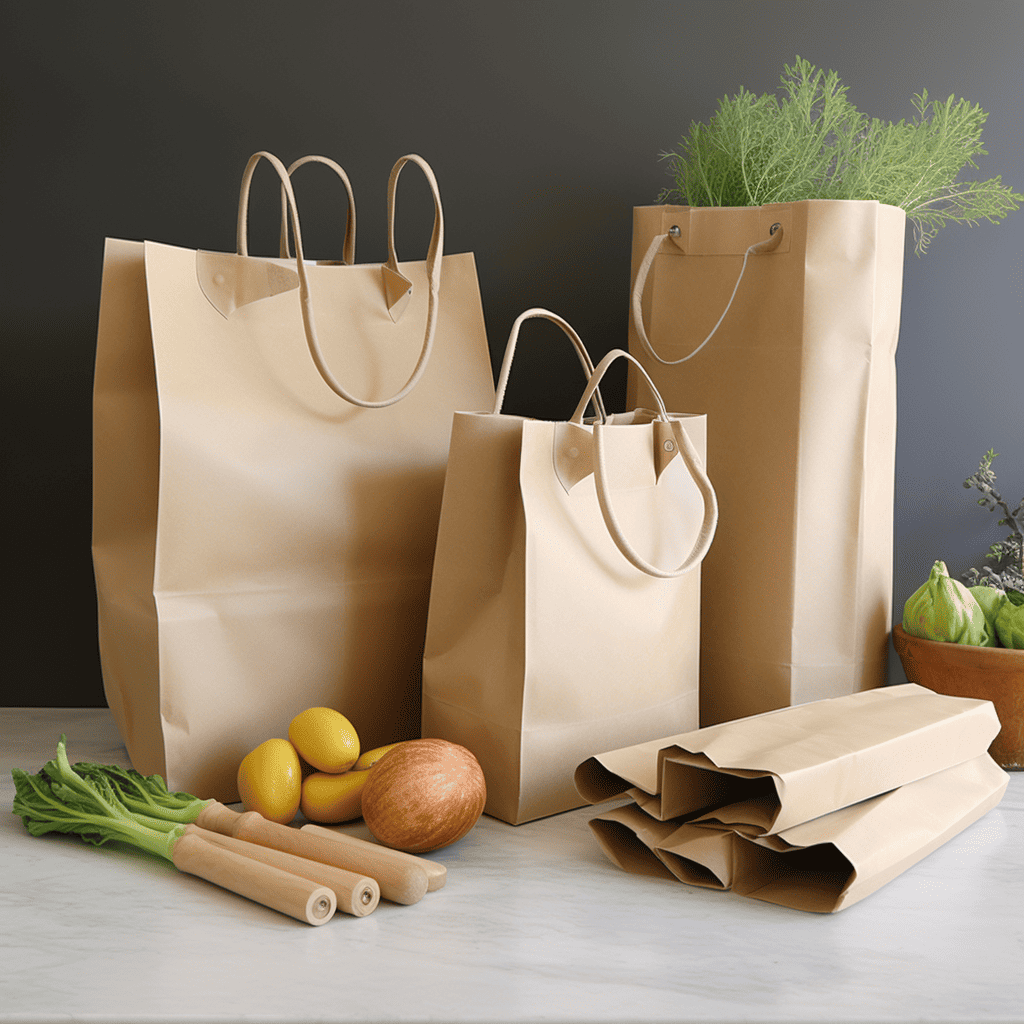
298,897
355,894
399,881
437,874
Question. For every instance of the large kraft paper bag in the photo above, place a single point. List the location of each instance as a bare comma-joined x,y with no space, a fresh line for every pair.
564,610
798,380
768,772
270,439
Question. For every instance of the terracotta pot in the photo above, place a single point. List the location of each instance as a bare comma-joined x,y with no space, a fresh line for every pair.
985,673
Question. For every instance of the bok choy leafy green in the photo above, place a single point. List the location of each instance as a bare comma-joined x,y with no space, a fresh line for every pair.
59,799
144,795
102,803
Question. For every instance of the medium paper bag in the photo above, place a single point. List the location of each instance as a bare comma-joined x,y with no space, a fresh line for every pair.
798,379
564,609
270,443
768,772
831,862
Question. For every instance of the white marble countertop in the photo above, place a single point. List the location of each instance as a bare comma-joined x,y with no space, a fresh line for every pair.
534,924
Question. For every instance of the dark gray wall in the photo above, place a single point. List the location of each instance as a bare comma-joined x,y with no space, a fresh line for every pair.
543,122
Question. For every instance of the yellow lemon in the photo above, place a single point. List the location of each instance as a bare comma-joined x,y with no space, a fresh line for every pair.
331,799
370,757
270,781
325,738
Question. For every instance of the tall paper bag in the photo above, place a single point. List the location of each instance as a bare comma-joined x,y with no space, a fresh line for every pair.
799,383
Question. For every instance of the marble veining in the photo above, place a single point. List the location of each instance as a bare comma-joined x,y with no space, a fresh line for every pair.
534,924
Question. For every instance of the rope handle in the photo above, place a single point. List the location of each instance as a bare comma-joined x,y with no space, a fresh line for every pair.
768,244
581,352
348,251
305,302
436,245
691,459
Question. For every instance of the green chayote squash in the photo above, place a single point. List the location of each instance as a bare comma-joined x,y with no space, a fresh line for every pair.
944,609
991,600
1010,621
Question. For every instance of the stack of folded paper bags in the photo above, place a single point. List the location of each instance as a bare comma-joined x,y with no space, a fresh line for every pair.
813,807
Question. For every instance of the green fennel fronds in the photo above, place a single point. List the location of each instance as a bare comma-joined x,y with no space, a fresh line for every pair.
813,143
57,799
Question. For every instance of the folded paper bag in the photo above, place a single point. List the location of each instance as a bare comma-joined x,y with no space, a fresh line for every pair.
797,763
834,861
699,855
822,866
636,842
629,837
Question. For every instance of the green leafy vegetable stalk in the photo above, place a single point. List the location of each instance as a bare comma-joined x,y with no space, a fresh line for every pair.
101,802
813,143
145,795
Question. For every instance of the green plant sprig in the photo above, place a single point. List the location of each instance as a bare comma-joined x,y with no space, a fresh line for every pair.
813,143
1010,552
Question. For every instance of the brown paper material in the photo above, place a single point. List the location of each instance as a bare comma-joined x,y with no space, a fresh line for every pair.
794,764
629,837
546,639
823,865
636,842
799,384
262,544
831,862
699,855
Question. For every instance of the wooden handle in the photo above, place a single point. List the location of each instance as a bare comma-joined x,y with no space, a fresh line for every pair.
437,874
218,818
355,894
401,879
263,883
398,882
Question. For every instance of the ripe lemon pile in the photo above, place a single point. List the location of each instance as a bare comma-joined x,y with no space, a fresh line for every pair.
319,769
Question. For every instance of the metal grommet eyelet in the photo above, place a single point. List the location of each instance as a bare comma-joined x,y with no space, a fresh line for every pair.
775,227
674,231
669,446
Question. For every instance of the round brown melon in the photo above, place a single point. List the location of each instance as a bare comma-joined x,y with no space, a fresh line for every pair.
423,795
